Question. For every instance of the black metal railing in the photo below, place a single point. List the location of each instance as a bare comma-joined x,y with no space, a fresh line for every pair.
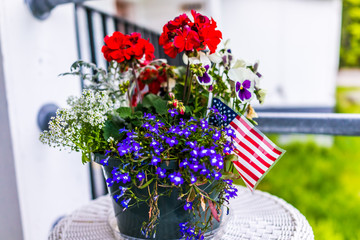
92,25
98,24
269,122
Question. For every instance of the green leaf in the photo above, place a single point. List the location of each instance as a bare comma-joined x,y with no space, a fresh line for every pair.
160,106
192,195
146,184
229,175
124,112
148,100
231,157
111,128
84,158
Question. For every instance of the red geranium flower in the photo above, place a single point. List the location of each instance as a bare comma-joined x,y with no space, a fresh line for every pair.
186,39
120,47
182,34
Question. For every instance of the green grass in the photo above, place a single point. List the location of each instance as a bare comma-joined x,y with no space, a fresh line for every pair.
323,182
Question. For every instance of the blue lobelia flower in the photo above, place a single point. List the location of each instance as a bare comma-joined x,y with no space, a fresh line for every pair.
231,192
191,144
121,130
146,125
176,178
110,182
230,132
184,163
173,112
216,135
193,179
194,152
217,175
116,197
123,150
193,127
205,171
125,177
125,203
186,133
228,181
154,129
195,167
149,116
135,147
228,148
105,162
140,176
188,205
155,160
161,172
204,124
172,141
154,143
203,152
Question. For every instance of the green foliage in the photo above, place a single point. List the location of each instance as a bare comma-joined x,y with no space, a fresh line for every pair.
323,182
350,34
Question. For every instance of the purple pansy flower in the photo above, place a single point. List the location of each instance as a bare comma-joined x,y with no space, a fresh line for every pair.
242,90
206,78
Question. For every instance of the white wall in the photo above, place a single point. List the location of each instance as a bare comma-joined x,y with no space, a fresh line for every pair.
50,183
296,41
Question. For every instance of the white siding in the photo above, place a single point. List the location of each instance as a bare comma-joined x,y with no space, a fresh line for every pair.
50,183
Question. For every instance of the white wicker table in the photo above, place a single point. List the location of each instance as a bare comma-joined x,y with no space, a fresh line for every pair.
254,216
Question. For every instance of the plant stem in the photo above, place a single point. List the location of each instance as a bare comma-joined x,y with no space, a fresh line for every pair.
136,83
186,80
189,92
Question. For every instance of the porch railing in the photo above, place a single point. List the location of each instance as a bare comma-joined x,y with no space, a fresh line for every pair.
92,25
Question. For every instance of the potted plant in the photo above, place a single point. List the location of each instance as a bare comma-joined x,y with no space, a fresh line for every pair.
165,137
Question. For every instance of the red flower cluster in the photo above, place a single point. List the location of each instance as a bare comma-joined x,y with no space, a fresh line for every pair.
120,47
181,34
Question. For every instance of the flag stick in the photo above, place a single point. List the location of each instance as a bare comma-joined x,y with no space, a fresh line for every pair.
209,103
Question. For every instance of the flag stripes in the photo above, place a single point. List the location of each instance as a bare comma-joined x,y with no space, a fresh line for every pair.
256,153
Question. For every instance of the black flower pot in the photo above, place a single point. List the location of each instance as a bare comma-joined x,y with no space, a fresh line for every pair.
172,211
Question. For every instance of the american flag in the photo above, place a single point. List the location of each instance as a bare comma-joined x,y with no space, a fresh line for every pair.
256,153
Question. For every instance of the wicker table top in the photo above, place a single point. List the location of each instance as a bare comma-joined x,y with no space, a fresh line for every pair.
254,216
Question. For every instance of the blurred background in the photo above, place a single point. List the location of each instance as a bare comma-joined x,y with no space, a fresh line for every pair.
309,52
